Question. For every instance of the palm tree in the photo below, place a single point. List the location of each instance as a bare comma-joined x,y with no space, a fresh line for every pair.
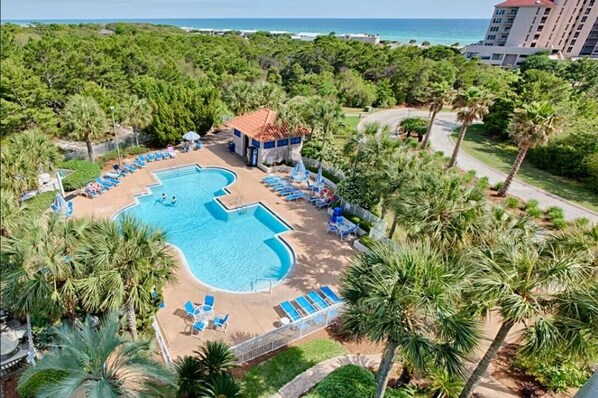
407,299
532,124
545,288
41,269
438,95
327,116
215,358
13,213
97,362
137,113
473,104
84,120
355,145
130,260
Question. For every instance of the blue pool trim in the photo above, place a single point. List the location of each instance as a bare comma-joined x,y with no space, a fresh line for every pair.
226,209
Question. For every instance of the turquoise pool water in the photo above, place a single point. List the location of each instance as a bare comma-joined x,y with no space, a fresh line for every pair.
233,250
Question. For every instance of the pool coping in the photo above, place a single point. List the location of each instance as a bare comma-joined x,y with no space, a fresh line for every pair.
180,252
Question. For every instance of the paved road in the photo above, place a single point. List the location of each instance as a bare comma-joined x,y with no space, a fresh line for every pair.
440,141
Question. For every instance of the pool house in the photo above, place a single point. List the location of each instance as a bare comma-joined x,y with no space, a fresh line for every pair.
260,140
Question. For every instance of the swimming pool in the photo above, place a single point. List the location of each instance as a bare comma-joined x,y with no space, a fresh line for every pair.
232,250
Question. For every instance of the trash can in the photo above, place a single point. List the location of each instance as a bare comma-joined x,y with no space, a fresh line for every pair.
231,146
336,213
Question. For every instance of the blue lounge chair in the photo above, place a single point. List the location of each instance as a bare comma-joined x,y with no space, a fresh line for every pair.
221,321
192,310
111,180
305,305
288,192
166,154
120,170
290,311
313,199
89,193
54,208
330,295
150,157
158,156
141,161
104,184
130,168
324,202
295,196
282,187
317,300
332,227
346,233
198,326
274,183
208,303
270,177
69,209
198,145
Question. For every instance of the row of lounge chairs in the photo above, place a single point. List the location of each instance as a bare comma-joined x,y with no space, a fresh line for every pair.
309,304
322,200
283,187
110,180
67,212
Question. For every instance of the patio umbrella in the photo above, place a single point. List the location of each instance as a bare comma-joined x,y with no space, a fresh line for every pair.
60,203
319,178
191,136
299,169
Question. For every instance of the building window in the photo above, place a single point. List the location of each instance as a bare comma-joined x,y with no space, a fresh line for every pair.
573,42
540,28
295,140
543,20
533,45
507,29
583,19
527,38
576,35
491,37
536,36
237,133
497,57
570,49
283,142
269,144
510,20
255,143
580,27
547,11
500,11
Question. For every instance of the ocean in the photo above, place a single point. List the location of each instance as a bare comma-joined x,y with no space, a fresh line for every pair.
436,31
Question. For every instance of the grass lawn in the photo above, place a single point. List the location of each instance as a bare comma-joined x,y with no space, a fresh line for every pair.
351,122
267,378
500,155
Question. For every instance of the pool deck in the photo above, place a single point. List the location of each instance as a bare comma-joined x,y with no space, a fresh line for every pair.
320,256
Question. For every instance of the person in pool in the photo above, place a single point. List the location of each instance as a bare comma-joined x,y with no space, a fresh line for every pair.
173,202
163,197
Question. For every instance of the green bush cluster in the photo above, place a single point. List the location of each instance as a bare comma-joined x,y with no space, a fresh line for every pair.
556,374
352,381
367,241
366,226
124,152
498,186
83,172
512,203
42,379
38,204
532,208
557,216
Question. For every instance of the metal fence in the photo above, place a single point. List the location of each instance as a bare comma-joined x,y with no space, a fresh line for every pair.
161,342
261,345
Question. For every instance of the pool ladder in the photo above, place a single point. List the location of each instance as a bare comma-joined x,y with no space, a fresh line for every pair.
270,281
241,206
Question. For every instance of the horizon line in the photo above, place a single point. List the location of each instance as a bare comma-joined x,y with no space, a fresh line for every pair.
226,18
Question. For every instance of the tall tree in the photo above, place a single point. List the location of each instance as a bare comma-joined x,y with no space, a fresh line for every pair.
97,362
532,124
393,297
84,120
130,260
437,96
41,270
327,116
544,287
135,112
472,104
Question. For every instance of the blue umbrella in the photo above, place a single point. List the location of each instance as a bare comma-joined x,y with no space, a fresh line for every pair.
319,178
191,136
60,203
299,169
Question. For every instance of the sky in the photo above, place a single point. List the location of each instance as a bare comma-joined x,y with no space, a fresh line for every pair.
122,9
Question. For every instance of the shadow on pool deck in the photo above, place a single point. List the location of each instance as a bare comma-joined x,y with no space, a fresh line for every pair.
320,256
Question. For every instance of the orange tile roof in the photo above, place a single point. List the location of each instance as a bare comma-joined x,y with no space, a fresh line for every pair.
526,3
261,125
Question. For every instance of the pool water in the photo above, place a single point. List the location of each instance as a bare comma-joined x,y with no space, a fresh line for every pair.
236,250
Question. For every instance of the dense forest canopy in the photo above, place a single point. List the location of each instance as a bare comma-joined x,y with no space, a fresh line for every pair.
194,81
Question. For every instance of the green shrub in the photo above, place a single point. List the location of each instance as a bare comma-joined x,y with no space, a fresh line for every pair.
560,223
39,380
38,204
346,381
512,203
499,185
83,172
366,226
483,183
532,203
367,241
556,374
555,212
581,222
359,191
124,152
469,176
534,212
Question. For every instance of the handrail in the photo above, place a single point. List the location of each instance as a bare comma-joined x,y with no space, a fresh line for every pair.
161,342
269,280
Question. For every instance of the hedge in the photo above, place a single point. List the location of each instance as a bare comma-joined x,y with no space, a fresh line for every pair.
84,172
124,152
38,204
366,226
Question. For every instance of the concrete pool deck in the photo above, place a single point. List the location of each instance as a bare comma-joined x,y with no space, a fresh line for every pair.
320,257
